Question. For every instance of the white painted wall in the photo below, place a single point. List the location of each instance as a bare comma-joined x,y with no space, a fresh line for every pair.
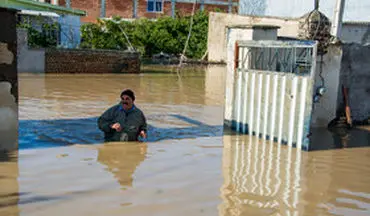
219,21
325,110
355,10
234,34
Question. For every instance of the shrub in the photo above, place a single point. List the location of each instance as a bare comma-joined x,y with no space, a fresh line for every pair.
149,37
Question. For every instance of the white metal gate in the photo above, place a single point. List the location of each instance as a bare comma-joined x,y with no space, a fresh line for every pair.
273,90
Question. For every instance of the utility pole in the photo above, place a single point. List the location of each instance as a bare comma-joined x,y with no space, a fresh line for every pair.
102,9
231,6
317,3
134,8
202,5
173,8
336,28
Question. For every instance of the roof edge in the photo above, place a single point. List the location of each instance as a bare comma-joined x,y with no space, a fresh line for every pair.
34,5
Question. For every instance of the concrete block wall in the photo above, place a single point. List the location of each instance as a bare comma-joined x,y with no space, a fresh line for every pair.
353,32
8,81
91,61
355,75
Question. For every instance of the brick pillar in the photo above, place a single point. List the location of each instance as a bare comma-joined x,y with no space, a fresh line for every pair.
8,81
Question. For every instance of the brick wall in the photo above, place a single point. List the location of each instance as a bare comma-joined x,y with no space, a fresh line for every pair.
119,7
92,8
124,8
142,6
91,61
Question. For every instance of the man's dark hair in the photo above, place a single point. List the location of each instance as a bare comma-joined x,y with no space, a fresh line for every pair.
129,93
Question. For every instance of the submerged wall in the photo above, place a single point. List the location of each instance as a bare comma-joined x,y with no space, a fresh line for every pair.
91,61
327,76
8,81
73,60
355,75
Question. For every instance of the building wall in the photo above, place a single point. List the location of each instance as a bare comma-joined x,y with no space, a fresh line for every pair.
91,61
218,23
92,8
355,10
125,9
119,7
355,75
8,81
289,27
356,33
325,110
142,10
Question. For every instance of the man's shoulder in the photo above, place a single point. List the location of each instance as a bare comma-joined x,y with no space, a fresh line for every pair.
113,108
138,110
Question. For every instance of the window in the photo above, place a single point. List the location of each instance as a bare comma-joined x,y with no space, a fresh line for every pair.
154,5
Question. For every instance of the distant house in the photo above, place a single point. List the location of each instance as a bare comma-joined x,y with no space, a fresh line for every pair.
132,9
37,13
49,12
67,27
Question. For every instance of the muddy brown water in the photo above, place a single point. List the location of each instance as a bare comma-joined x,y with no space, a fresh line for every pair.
186,167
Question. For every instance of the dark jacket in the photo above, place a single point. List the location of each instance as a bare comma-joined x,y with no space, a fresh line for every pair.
132,122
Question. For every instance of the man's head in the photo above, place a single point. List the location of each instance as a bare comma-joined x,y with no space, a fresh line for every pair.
127,98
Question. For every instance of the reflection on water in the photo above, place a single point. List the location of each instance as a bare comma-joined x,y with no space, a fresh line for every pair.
9,187
260,178
264,178
337,138
186,167
122,161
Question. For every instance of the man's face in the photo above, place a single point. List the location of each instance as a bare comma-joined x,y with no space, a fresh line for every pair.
126,102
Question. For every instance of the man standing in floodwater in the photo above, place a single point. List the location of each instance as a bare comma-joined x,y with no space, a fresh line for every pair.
124,121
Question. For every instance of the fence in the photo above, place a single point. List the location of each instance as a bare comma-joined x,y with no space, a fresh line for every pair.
272,91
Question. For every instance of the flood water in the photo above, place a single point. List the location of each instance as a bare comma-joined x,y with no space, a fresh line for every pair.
186,167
